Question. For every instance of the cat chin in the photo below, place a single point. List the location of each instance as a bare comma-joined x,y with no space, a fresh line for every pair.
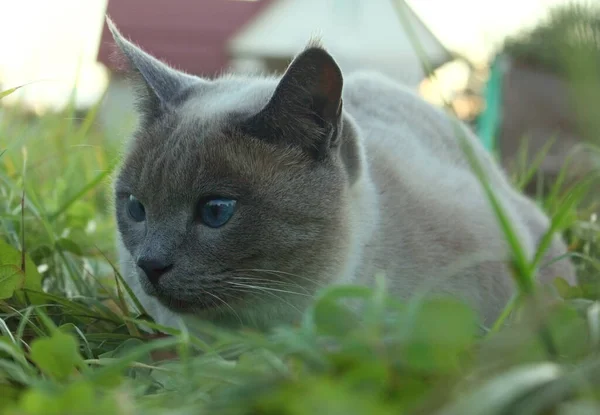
205,305
181,306
234,315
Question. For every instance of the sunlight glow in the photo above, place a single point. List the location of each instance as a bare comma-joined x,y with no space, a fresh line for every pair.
54,45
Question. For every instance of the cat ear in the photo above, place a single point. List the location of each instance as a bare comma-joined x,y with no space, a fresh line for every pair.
307,103
160,83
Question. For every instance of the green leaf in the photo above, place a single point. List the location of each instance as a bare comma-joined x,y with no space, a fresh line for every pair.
565,323
333,319
9,394
565,290
38,402
9,349
69,246
579,408
57,356
111,374
435,333
524,274
124,348
496,396
82,312
77,398
318,395
7,92
330,315
77,196
11,277
533,166
11,257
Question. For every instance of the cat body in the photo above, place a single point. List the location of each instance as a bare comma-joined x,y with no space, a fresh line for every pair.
239,197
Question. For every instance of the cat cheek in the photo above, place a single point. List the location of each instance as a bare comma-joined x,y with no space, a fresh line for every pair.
131,232
133,228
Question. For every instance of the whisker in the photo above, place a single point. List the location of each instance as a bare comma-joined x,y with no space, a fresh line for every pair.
251,290
227,291
282,273
256,280
267,288
226,304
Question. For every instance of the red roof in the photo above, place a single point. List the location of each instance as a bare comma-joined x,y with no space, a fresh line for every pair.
190,35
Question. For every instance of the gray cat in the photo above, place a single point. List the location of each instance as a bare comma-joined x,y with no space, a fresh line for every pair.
239,197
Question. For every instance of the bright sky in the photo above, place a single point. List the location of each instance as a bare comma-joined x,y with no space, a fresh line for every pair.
474,27
48,39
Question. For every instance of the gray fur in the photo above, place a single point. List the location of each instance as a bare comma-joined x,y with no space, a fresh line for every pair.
325,195
158,86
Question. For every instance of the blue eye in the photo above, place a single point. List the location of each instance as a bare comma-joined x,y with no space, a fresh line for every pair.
136,209
217,212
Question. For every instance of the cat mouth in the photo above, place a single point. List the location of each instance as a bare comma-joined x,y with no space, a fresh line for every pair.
206,298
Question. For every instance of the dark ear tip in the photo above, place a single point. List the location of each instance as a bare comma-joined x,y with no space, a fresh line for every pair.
318,53
320,59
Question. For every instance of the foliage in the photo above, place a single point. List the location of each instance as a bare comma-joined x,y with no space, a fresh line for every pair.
569,30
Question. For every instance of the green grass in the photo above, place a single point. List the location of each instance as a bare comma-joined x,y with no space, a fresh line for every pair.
569,30
78,348
71,344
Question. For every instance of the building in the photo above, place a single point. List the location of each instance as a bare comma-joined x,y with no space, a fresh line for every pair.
383,35
205,37
191,35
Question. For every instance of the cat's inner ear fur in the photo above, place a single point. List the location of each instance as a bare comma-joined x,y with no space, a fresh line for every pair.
157,85
307,103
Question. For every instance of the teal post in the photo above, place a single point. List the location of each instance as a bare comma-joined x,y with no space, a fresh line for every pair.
489,120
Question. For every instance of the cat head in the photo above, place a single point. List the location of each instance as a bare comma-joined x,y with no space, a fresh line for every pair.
234,192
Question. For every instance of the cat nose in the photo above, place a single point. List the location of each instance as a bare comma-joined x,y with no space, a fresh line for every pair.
154,268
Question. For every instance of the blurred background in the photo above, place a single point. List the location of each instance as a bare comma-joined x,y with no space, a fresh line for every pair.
456,53
495,64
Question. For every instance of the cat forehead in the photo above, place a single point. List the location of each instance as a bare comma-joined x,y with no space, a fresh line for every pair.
188,154
203,119
221,99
